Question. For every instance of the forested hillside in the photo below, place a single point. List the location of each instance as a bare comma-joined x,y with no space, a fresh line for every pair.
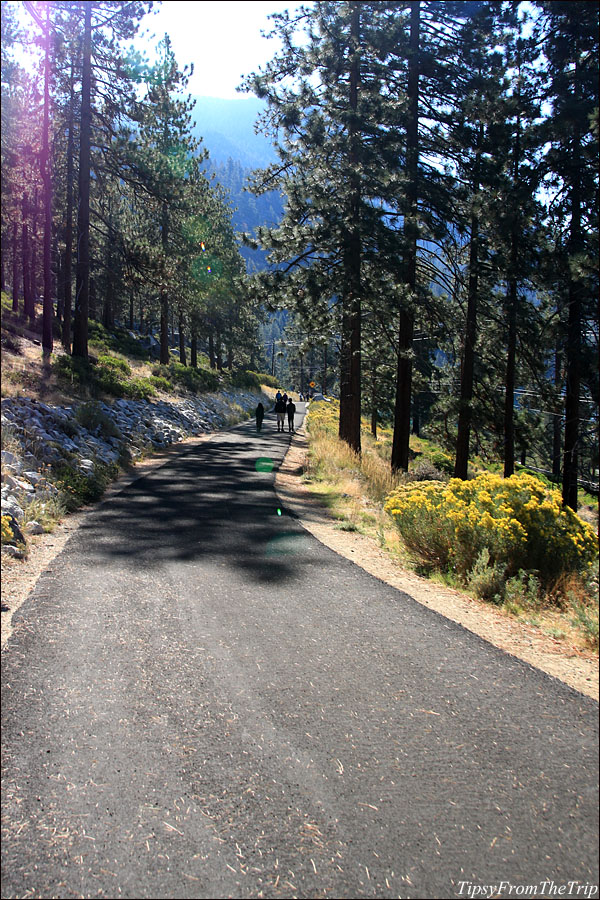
427,222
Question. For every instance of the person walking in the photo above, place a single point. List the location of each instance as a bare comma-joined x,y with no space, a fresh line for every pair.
260,414
291,412
280,408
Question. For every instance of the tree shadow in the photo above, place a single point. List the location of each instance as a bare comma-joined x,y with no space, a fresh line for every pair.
214,502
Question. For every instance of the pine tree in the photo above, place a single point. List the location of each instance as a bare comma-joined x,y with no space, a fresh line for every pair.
571,48
339,143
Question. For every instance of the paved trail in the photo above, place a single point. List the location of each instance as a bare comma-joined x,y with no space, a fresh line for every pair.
202,701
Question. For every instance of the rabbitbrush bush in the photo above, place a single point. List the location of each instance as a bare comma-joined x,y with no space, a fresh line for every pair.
519,521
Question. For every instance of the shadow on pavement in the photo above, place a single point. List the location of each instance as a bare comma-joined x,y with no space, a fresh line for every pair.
215,500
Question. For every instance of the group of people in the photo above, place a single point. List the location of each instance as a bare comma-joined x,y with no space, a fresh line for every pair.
284,405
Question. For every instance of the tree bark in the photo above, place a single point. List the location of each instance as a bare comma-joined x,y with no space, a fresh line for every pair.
15,267
573,347
182,354
26,262
509,381
82,292
465,415
68,256
48,310
402,410
350,361
461,465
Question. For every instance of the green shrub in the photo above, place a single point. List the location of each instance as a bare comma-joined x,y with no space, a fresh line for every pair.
140,389
114,363
522,524
246,379
78,489
263,378
586,618
441,461
487,579
91,417
197,381
117,339
160,383
73,369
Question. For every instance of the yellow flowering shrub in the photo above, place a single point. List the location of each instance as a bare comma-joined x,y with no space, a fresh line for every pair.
521,523
7,532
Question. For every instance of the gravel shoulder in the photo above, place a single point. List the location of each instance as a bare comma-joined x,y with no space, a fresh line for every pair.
578,670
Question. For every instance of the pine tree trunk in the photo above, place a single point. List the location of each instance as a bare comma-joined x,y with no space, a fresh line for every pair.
509,382
33,267
164,329
82,290
350,361
374,405
48,310
26,263
182,354
401,439
68,257
15,267
573,346
131,299
556,422
211,352
194,351
164,297
461,464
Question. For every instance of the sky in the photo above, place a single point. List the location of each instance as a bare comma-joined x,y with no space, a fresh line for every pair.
222,39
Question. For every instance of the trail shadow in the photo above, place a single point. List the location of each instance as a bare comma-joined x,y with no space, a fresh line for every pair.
211,502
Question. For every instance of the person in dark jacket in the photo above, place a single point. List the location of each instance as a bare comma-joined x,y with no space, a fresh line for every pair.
280,408
291,412
260,414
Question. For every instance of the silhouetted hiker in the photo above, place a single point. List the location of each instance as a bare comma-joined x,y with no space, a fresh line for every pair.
260,414
291,412
280,408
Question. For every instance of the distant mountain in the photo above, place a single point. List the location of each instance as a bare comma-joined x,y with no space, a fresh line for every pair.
227,130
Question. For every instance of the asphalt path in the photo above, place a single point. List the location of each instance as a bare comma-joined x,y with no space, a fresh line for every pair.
203,701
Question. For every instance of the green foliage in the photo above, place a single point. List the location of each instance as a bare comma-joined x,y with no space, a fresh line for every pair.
108,376
116,339
78,489
114,363
487,579
246,379
91,416
197,381
441,461
263,378
586,618
161,383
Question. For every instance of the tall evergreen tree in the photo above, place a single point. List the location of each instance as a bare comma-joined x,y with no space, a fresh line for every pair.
339,143
571,48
